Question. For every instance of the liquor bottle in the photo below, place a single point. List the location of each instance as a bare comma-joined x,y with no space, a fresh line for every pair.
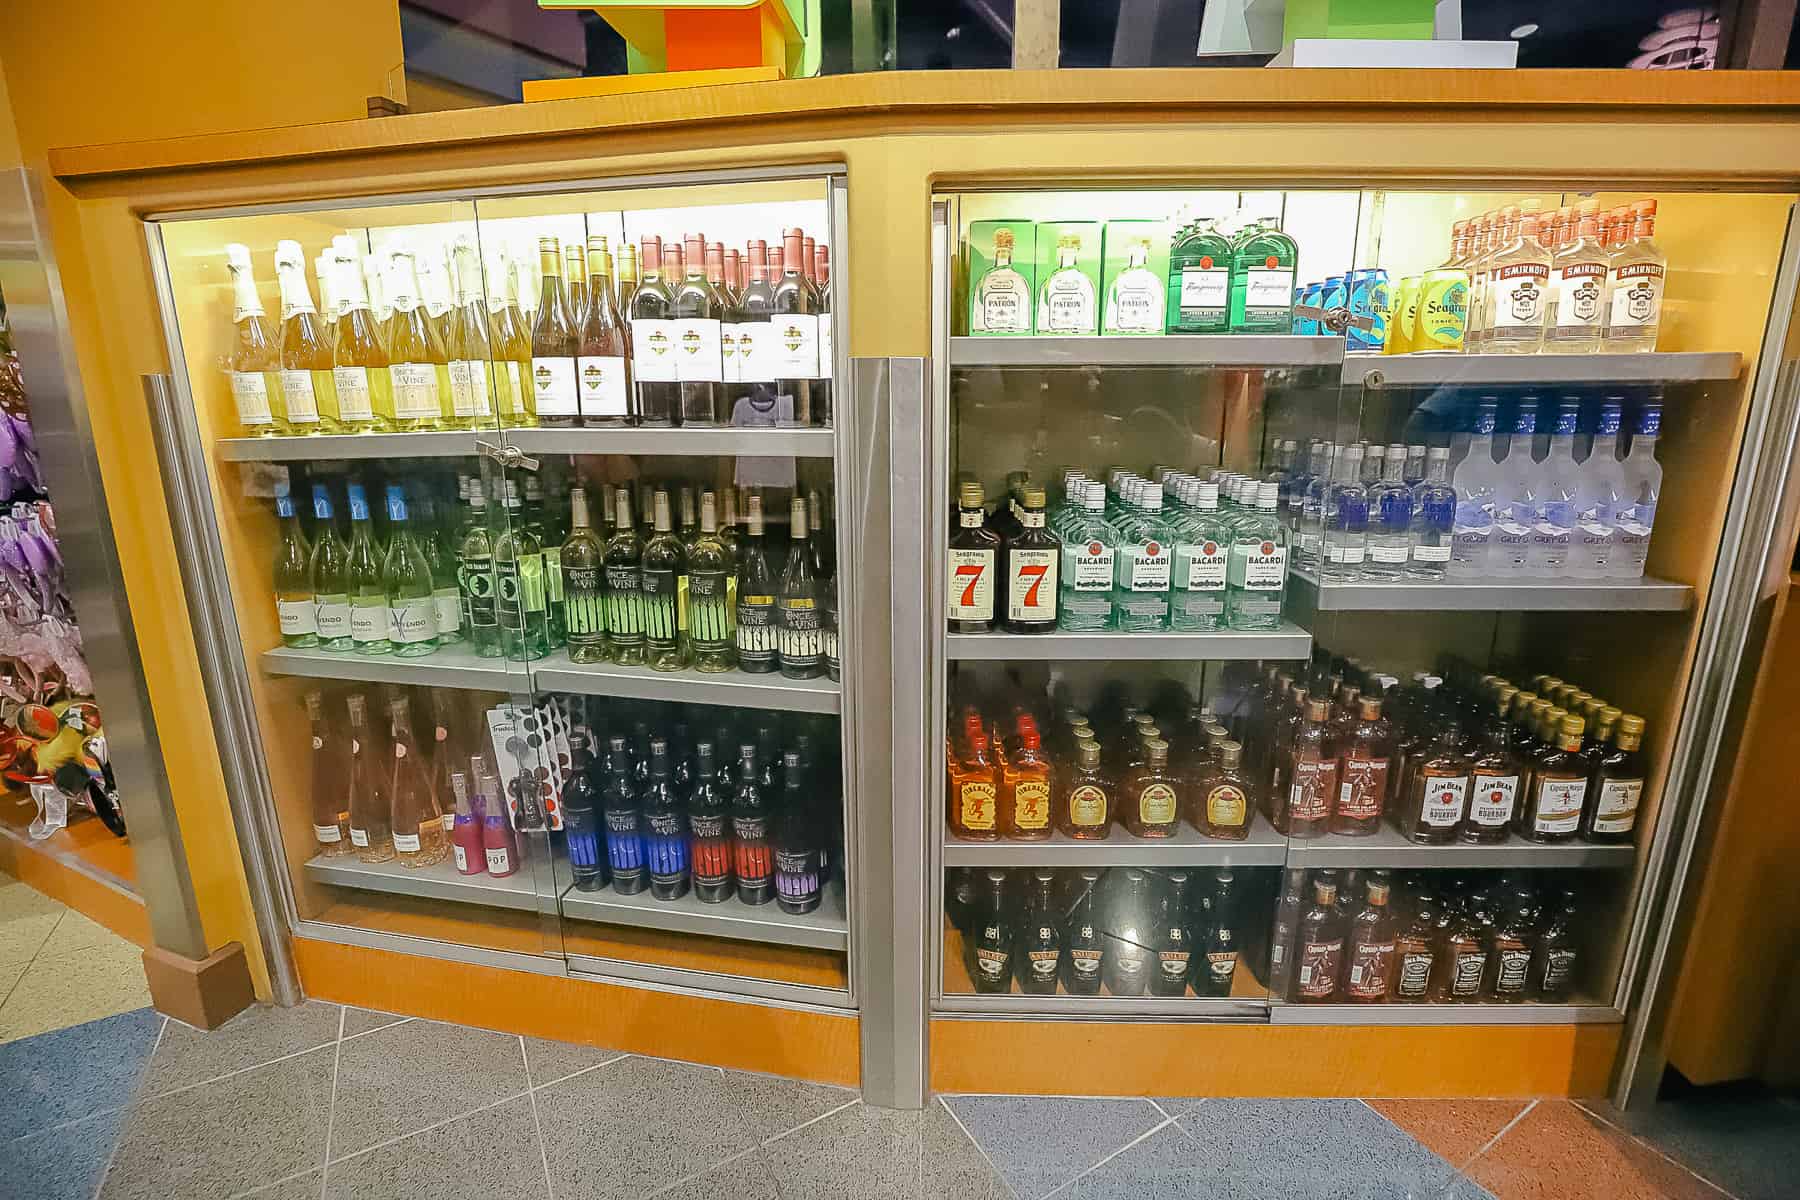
664,566
665,829
307,396
1511,947
555,340
1150,794
1434,793
1516,493
407,583
1600,495
296,610
1221,805
1416,954
1345,535
1257,573
1558,486
1634,286
1617,786
583,567
655,344
253,367
711,620
472,384
371,829
1142,567
799,869
1370,956
990,950
1134,302
1559,784
330,813
1066,300
1038,954
625,855
1084,809
1262,282
1636,514
795,305
1495,776
1320,953
709,828
973,791
1364,766
519,579
1201,564
1031,559
753,861
1199,299
359,374
417,361
1128,931
1216,946
1083,949
1578,276
1002,297
1390,520
417,821
369,621
1431,539
1518,290
973,562
757,629
1553,959
1310,776
1025,788
1476,481
1173,943
799,616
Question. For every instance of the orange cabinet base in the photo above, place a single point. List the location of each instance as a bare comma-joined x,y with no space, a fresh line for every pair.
743,1035
69,868
1094,1058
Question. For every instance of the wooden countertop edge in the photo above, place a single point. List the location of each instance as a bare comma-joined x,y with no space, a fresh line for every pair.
948,96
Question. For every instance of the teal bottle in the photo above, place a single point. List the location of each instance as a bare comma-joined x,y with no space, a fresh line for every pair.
406,578
519,579
1262,281
475,577
446,595
1089,553
1142,564
1200,282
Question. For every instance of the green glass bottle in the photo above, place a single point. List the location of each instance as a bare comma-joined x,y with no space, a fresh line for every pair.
368,594
293,584
446,595
475,575
711,620
327,571
625,586
542,523
1200,282
406,578
664,566
583,585
519,573
1262,281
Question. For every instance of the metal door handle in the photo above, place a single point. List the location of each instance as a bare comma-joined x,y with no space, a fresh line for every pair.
507,455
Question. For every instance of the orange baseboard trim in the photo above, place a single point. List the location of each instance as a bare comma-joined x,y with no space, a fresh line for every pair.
78,886
1106,1059
722,1033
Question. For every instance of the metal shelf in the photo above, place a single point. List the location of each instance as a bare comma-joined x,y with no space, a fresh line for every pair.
1283,1013
825,928
735,688
796,443
441,881
456,443
1289,641
1570,595
1404,370
1166,350
1188,848
1071,1007
452,667
1388,847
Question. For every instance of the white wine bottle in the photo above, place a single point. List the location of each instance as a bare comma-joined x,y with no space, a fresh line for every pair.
472,394
416,357
254,364
360,377
307,392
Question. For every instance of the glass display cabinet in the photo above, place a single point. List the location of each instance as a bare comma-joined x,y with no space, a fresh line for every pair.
1321,573
530,506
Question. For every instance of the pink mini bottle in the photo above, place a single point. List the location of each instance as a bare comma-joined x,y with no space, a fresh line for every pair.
499,844
465,832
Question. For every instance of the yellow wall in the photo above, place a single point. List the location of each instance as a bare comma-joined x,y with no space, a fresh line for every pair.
109,70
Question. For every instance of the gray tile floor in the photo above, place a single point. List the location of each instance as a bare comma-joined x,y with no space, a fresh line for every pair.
322,1102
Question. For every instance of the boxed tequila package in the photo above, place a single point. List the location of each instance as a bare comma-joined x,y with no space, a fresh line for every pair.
1001,262
1068,277
1134,270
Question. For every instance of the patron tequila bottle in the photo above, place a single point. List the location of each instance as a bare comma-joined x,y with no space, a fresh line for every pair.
1066,299
1002,297
1134,303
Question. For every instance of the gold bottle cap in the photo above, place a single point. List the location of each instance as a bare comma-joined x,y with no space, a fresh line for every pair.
1034,497
1157,749
1572,727
1231,754
1317,710
971,495
1369,708
1503,699
1632,724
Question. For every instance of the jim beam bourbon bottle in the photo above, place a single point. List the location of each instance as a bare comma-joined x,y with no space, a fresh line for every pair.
1495,776
1311,775
1369,969
974,564
1320,956
1437,792
1363,771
